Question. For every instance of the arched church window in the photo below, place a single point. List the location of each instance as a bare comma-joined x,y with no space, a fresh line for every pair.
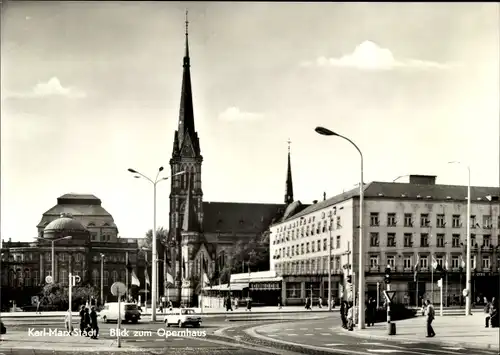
95,277
105,278
114,276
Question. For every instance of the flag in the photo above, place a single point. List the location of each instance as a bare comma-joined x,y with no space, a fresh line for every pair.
446,265
128,265
135,280
416,268
146,276
170,278
462,261
205,279
434,263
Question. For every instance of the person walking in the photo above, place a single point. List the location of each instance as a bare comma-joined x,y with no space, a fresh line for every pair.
370,312
308,303
494,320
249,304
320,302
487,315
82,320
429,312
279,302
87,322
67,323
343,314
228,304
38,306
93,323
350,317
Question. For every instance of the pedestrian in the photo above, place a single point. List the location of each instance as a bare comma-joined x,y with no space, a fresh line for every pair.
494,321
343,314
170,305
67,322
320,302
279,302
429,312
93,323
88,327
249,304
236,303
228,304
82,320
487,310
38,306
308,303
350,317
370,312
161,307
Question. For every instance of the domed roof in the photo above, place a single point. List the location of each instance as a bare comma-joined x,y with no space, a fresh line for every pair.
65,223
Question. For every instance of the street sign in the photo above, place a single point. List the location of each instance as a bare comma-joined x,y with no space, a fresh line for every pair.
465,292
390,295
48,279
440,283
76,280
118,289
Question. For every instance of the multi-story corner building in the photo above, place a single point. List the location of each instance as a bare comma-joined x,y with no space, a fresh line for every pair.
90,231
405,224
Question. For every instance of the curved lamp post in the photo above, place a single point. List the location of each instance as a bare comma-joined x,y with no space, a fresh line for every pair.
468,272
53,241
154,252
361,277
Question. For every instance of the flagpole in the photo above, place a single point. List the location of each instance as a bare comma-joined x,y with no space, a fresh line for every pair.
432,280
126,274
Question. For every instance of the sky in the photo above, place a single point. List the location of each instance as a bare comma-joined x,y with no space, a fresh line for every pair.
91,89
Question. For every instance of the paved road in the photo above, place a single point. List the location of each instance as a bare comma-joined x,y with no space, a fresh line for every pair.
324,335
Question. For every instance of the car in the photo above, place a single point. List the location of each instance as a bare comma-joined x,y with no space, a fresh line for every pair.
182,317
129,312
3,330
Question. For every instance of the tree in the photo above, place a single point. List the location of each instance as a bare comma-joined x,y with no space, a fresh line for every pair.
161,237
57,295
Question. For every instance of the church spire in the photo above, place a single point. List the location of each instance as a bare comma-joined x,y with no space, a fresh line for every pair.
186,114
289,183
190,220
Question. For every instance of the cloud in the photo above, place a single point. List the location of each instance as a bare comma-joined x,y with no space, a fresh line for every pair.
369,56
53,87
234,114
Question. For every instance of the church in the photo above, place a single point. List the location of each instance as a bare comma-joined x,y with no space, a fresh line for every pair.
201,232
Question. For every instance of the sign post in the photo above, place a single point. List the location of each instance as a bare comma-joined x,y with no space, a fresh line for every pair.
118,289
389,296
378,294
73,280
440,285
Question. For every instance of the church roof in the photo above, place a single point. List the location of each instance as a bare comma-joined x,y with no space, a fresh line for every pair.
236,217
65,223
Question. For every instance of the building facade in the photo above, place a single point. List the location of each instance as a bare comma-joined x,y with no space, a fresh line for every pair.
407,226
82,232
201,232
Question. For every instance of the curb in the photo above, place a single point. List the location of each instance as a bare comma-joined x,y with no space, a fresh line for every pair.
397,338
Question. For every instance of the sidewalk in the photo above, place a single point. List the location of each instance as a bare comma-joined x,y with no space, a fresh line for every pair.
22,340
457,331
206,312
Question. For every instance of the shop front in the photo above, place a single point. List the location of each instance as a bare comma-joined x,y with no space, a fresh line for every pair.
265,293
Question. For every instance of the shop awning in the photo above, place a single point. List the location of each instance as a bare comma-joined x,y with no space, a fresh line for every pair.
240,286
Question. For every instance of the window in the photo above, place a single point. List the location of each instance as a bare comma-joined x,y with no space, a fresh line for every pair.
302,248
391,261
122,275
307,231
424,220
374,221
307,247
338,242
339,225
324,226
424,240
114,276
407,263
27,278
313,247
288,251
456,221
78,258
454,262
337,263
424,262
486,240
440,240
36,279
373,261
391,239
48,257
440,223
374,240
62,257
473,262
408,220
391,220
486,262
440,260
487,222
293,289
473,221
106,277
93,236
318,245
312,229
455,240
325,244
473,239
408,240
63,278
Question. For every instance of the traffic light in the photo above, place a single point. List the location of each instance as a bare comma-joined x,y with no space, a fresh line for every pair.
349,279
387,278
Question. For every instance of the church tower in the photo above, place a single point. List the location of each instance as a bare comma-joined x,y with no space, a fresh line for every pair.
186,196
289,183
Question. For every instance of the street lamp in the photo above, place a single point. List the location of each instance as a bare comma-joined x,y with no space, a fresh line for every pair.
102,278
361,325
468,271
54,253
154,252
330,266
399,177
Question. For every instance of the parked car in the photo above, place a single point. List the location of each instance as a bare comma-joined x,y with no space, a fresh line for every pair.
129,312
183,317
3,330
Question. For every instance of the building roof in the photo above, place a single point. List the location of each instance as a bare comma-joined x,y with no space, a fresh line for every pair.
76,199
65,223
235,217
406,191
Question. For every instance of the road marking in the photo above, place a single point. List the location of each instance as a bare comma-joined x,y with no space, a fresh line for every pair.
289,329
308,334
386,351
318,328
158,339
325,334
304,328
232,330
444,347
372,343
292,335
409,342
333,344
